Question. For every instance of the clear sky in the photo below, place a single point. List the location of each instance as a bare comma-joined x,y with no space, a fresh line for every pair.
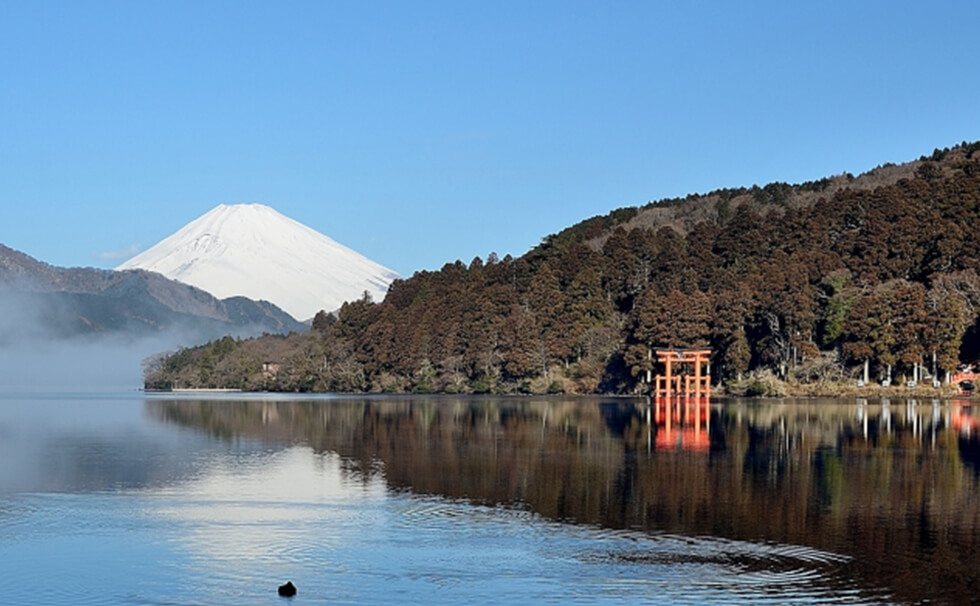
418,133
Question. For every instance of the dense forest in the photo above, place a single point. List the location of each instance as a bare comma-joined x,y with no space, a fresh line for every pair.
812,282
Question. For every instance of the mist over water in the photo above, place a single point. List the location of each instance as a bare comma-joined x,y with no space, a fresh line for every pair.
37,356
47,345
73,366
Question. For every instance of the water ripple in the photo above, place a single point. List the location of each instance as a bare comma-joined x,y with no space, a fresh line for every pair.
710,568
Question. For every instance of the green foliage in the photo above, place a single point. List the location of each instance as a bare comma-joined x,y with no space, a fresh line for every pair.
555,388
483,385
756,388
837,302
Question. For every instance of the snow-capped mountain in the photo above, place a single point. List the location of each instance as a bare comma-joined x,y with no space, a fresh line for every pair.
254,251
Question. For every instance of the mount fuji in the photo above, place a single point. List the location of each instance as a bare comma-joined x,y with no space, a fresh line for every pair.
254,251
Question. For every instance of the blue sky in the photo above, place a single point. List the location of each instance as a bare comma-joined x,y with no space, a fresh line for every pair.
419,133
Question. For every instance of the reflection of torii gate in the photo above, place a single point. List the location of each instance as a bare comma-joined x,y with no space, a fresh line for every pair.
680,425
670,385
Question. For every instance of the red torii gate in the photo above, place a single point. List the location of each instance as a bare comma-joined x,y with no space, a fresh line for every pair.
683,400
670,385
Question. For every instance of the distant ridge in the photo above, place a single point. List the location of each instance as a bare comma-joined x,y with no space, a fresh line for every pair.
254,251
38,300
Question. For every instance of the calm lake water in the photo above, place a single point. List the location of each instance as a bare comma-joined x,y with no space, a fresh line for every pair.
133,499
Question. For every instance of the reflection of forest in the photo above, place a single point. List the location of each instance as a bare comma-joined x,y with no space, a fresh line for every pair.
892,484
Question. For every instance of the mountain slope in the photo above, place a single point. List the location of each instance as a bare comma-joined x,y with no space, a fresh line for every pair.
877,281
38,300
253,251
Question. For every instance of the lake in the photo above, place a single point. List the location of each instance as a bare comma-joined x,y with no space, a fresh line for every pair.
133,498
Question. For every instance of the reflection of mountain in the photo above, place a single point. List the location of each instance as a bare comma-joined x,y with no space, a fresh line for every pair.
883,484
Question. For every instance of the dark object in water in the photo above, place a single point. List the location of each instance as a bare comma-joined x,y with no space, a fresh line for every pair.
966,385
288,590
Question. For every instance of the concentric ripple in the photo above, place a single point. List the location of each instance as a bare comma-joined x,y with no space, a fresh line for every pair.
713,570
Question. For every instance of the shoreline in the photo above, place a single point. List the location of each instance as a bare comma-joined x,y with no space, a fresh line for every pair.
195,390
778,389
774,390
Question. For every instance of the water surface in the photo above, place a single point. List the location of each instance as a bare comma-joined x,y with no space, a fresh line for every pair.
120,499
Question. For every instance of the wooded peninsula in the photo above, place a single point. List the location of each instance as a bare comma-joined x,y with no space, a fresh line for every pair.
812,284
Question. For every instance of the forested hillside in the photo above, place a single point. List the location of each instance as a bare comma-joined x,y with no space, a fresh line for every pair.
809,282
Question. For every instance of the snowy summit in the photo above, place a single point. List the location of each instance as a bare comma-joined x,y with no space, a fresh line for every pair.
253,251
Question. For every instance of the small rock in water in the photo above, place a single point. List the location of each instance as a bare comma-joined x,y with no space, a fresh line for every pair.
288,590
